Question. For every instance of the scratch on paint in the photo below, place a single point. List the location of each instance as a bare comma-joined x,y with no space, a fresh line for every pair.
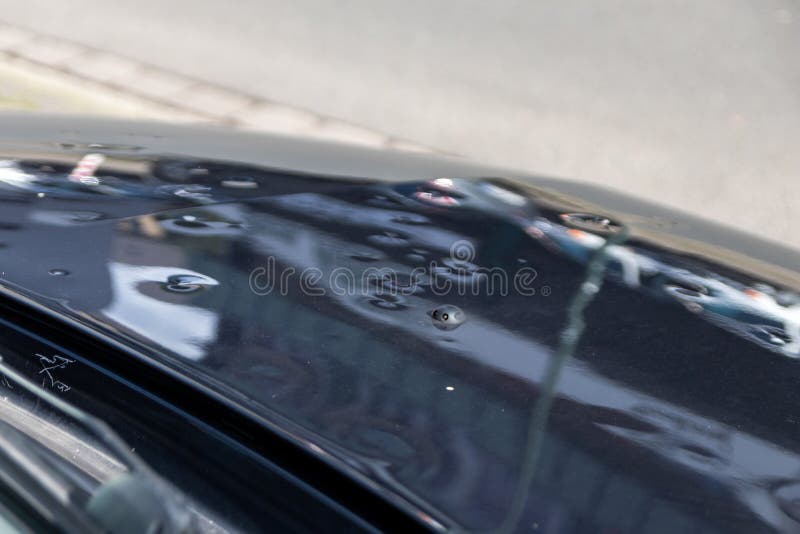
49,366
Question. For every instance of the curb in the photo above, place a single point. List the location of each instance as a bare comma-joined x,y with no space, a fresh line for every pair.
181,97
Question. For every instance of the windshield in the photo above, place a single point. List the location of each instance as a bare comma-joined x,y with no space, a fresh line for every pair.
70,470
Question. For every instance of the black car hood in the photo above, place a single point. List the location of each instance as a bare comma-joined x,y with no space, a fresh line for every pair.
300,280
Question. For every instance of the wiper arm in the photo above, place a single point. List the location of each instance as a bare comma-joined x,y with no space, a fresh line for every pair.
126,496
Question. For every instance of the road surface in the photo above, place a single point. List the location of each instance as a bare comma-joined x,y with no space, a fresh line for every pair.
693,104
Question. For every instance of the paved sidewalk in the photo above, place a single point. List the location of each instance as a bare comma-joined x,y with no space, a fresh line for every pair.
45,74
29,87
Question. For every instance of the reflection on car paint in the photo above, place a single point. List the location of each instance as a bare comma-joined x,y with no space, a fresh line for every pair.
83,172
180,327
743,310
436,418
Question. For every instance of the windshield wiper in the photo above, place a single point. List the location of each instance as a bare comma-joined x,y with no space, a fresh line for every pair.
71,471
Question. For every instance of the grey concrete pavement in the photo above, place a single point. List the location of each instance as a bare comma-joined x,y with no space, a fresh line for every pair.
42,73
29,87
692,104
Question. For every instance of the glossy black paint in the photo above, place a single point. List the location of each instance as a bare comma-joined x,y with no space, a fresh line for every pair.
212,459
676,412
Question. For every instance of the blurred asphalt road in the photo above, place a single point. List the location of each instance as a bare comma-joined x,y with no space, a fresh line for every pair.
693,104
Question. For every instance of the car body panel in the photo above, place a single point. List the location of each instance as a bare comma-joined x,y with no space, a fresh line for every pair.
297,280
